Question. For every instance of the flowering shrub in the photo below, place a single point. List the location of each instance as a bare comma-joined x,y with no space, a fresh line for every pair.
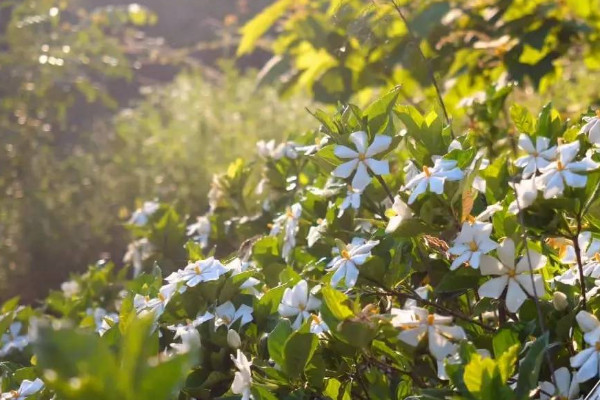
390,257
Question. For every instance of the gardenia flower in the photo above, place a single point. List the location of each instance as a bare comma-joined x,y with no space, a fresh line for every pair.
242,381
226,314
26,389
11,340
238,266
346,264
352,199
155,305
362,159
202,271
433,178
269,150
200,230
592,128
590,258
565,389
317,325
398,213
587,360
518,279
416,323
289,220
141,215
138,251
297,301
315,232
526,192
537,157
563,171
472,242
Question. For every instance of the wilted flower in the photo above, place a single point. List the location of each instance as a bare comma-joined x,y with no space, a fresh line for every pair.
518,278
317,325
297,302
315,232
362,159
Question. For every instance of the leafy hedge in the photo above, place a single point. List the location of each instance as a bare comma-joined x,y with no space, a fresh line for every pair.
380,256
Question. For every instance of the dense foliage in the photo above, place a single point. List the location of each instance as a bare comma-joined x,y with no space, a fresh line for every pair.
391,252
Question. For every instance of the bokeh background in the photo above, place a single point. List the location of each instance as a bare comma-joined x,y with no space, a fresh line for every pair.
105,104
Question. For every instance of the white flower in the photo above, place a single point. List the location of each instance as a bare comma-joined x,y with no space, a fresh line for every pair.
537,157
202,271
352,199
242,380
26,389
103,319
590,258
315,232
565,389
472,242
592,129
238,266
416,323
362,159
346,264
398,213
317,325
141,215
526,192
137,252
422,292
433,178
410,171
226,314
70,288
563,171
269,150
200,230
587,360
311,149
289,220
297,301
155,305
11,340
518,279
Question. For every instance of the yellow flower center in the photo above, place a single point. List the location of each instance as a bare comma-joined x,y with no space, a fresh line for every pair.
598,113
596,256
197,269
559,165
315,318
345,254
361,157
161,297
597,346
426,171
473,246
512,273
288,213
470,219
430,319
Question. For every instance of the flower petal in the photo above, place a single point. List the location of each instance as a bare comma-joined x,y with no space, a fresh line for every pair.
360,140
380,144
361,177
379,167
344,152
494,287
345,170
515,296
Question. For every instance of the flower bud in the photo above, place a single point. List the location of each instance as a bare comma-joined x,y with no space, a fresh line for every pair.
233,339
559,301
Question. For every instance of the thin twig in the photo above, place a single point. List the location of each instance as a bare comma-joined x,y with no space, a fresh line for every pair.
385,187
430,72
577,249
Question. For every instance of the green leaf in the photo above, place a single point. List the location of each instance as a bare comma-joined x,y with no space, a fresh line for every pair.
277,339
503,340
334,300
529,369
522,118
260,24
298,350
